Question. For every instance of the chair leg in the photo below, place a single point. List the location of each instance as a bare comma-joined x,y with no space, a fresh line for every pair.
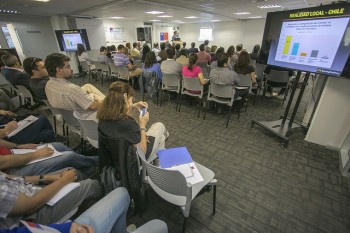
200,106
214,199
161,97
184,225
180,102
205,110
55,124
177,101
228,117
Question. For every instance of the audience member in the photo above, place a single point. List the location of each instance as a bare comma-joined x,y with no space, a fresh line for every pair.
170,66
183,46
20,164
192,49
152,64
113,50
109,52
122,60
22,199
128,46
207,48
213,52
102,57
183,59
214,64
203,57
177,50
35,67
243,66
224,76
115,122
162,54
254,55
13,71
83,56
193,71
156,49
232,56
2,64
239,49
145,50
66,95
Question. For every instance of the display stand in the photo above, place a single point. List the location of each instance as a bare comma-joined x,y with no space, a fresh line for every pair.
283,126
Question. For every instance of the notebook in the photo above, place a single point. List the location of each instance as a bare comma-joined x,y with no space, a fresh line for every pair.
174,157
23,124
63,192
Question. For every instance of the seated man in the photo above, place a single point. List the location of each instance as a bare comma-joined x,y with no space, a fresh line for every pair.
170,66
102,57
20,200
35,67
66,95
121,60
107,215
203,57
224,76
18,164
135,52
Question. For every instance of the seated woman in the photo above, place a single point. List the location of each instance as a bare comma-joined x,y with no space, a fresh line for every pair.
152,65
243,66
193,71
183,59
83,55
115,121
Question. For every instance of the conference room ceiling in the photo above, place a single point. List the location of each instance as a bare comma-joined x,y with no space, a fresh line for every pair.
197,10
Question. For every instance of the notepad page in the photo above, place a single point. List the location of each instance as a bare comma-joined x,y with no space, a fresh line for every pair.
63,192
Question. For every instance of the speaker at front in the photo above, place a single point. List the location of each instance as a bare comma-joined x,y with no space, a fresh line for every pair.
140,34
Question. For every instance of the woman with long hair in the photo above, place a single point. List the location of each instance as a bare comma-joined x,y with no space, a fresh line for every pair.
83,55
254,55
232,56
152,64
145,50
115,121
243,66
193,71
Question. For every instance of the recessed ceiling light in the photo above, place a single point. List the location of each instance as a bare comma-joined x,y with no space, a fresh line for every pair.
117,17
269,6
10,11
164,16
215,20
179,21
154,12
255,17
155,20
191,17
242,13
42,0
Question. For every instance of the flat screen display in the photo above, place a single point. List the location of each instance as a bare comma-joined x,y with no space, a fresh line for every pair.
314,39
68,39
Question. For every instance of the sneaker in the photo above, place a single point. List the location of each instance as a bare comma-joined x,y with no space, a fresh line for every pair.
131,228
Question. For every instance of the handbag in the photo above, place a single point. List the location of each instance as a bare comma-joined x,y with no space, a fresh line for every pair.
109,180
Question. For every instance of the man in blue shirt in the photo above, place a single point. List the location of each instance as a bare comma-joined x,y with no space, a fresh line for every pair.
122,60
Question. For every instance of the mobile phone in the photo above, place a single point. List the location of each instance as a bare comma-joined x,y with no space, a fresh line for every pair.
143,111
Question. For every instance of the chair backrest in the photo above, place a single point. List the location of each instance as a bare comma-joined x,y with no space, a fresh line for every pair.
171,80
53,110
138,63
259,71
252,63
89,129
113,69
278,76
123,72
151,81
169,184
101,66
245,80
192,84
222,91
24,93
85,66
71,121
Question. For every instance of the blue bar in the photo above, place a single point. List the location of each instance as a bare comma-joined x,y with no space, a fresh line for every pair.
295,49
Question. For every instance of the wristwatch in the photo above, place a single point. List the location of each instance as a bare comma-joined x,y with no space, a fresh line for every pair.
143,129
41,179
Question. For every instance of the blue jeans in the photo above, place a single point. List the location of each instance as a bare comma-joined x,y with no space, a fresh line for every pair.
39,131
85,164
109,214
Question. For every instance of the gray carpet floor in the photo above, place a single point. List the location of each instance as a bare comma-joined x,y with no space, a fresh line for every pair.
262,187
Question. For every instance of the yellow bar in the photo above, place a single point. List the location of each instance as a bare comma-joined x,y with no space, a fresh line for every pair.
287,44
303,54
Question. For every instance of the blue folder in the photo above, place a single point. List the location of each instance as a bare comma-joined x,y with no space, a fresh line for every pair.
173,157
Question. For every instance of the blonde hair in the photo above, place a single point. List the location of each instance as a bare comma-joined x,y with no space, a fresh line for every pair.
114,106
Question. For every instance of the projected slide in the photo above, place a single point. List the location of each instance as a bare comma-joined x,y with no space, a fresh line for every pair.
71,41
205,34
309,42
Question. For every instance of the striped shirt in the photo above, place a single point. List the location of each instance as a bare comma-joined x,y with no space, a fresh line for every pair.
120,59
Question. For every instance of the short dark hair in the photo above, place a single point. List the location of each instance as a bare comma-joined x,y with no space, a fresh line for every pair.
155,45
30,64
134,45
177,46
239,47
9,59
113,48
193,44
206,42
222,59
162,46
102,48
219,51
184,44
170,52
80,49
202,47
184,52
120,47
2,52
54,61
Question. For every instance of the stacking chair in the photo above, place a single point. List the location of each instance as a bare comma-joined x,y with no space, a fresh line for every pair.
172,185
24,95
260,76
222,94
281,80
123,73
252,63
245,82
102,69
149,82
56,114
138,63
171,83
71,123
192,84
205,69
89,130
114,71
87,68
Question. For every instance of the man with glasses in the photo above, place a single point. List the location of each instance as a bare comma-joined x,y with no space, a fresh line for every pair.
66,95
35,67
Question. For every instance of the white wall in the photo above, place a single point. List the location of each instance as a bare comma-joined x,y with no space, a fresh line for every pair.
247,32
129,27
35,33
165,27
